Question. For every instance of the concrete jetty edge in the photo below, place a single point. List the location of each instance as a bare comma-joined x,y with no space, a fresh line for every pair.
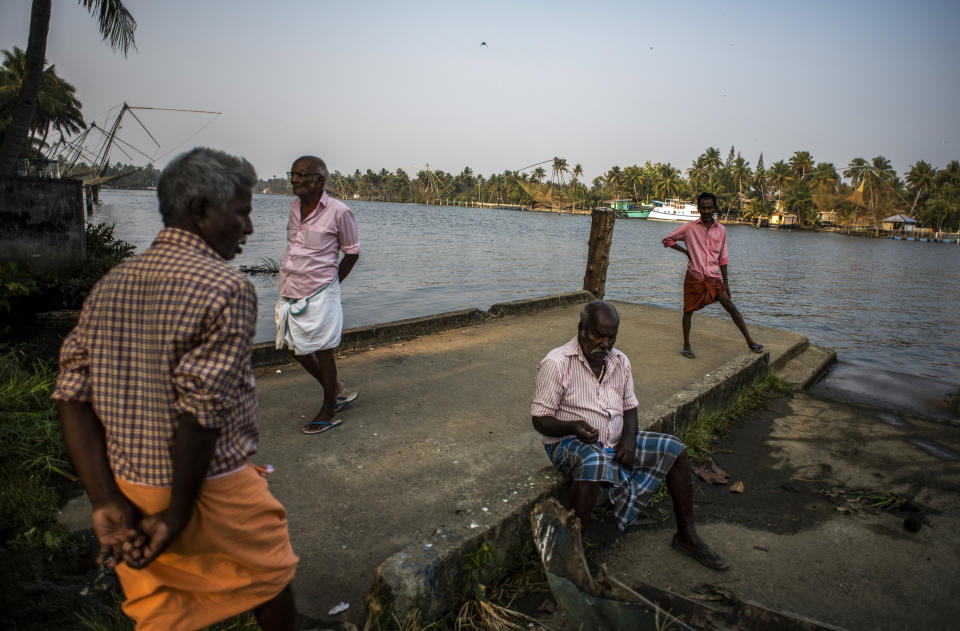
363,337
434,575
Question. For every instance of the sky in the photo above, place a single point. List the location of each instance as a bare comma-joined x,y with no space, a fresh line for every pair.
403,85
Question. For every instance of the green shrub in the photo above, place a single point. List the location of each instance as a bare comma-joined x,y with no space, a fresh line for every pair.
14,282
68,288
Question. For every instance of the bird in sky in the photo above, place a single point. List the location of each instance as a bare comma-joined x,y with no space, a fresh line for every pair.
484,44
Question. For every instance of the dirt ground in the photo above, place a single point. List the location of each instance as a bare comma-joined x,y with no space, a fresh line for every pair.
820,528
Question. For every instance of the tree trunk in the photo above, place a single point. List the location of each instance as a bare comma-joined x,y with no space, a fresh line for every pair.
30,90
598,251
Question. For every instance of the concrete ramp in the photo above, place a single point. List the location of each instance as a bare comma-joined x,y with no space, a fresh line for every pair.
438,453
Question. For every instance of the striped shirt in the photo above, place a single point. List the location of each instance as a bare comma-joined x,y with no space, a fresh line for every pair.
314,245
166,333
568,390
707,247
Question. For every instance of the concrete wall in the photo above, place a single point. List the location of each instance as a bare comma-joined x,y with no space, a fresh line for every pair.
360,338
41,223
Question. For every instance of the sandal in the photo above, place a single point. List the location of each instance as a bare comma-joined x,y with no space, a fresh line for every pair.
757,348
688,354
318,427
345,400
703,554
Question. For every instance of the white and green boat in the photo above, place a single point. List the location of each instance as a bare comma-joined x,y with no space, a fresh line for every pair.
629,209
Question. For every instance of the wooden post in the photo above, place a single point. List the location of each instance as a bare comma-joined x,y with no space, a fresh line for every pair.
598,250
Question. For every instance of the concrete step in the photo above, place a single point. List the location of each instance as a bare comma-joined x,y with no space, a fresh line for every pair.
808,366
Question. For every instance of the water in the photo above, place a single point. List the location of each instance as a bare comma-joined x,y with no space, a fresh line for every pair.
882,304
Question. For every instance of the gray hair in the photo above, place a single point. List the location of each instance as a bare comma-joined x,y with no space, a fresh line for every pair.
590,309
203,174
321,166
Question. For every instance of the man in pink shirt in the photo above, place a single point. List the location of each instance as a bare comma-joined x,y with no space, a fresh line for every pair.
585,409
308,315
706,278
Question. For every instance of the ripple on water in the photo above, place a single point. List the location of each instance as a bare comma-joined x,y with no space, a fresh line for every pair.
881,303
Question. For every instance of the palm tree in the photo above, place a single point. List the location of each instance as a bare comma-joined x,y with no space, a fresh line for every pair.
779,176
801,162
670,181
824,176
57,107
943,208
760,176
712,159
760,206
614,180
399,184
856,171
116,26
633,176
740,172
950,174
882,179
823,181
922,179
716,186
872,179
559,168
538,175
799,200
698,171
578,170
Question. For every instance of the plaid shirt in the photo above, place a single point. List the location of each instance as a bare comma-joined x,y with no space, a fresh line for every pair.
169,332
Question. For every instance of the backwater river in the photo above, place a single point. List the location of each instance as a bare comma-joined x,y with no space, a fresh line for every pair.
881,304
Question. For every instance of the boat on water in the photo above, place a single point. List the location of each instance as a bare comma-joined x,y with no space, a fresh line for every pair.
673,210
629,209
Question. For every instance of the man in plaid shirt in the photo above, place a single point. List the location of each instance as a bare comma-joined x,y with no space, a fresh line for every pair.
157,403
585,409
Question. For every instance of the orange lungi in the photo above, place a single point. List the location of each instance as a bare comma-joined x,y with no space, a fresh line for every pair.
234,555
697,294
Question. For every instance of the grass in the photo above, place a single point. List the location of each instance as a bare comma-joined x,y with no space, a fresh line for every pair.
33,461
482,615
700,437
856,499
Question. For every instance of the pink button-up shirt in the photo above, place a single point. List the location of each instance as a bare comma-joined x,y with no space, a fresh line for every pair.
314,245
568,390
707,247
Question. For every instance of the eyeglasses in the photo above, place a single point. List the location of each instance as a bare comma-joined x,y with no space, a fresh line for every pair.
300,176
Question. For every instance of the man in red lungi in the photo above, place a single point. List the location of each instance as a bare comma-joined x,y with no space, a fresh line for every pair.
706,279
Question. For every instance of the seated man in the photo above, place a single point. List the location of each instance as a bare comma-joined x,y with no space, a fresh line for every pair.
585,408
